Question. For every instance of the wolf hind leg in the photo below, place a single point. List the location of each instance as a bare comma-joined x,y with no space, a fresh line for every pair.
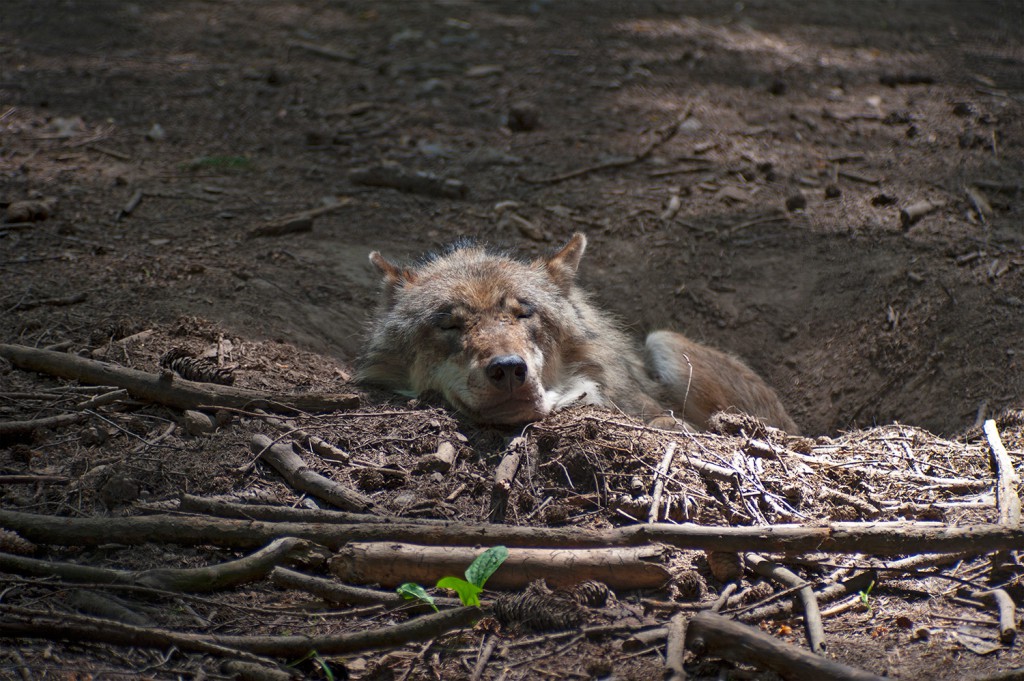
699,381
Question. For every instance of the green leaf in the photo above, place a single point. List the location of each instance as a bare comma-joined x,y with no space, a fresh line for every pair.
485,564
469,593
411,591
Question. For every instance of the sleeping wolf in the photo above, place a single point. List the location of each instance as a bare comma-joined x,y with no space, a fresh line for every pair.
507,342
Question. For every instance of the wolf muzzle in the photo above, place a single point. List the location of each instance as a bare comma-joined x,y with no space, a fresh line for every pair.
507,372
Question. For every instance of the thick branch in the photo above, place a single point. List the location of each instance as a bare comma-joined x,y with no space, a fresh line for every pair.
391,564
869,538
210,578
177,392
708,634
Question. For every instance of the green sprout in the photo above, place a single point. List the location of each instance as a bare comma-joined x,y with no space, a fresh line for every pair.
468,589
865,596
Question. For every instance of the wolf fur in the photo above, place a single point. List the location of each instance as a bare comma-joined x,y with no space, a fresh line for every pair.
508,342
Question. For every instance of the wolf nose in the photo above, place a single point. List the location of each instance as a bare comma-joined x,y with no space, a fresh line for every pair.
507,371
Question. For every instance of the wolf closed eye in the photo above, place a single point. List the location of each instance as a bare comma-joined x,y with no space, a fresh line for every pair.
523,340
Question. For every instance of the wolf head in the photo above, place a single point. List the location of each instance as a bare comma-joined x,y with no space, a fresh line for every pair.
487,332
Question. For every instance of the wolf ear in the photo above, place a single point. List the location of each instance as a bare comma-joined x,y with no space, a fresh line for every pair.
394,276
562,266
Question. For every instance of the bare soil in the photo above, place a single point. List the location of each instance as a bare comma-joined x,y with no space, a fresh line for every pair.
152,139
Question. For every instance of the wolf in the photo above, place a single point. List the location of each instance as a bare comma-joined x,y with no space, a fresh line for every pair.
507,342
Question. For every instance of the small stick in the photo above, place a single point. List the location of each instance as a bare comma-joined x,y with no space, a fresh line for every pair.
659,482
297,222
325,449
110,152
294,470
8,428
723,597
253,671
103,399
504,476
857,177
916,211
661,137
484,657
321,51
337,593
391,563
396,177
33,479
122,343
132,204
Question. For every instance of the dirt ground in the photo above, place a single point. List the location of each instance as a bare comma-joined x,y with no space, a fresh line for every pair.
832,191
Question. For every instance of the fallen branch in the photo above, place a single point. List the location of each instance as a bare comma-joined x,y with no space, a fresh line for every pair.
786,577
675,649
62,301
66,627
337,593
661,136
321,447
121,343
297,222
295,472
391,564
1006,490
708,634
191,580
175,392
396,177
1007,612
225,509
896,538
862,581
28,479
10,428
